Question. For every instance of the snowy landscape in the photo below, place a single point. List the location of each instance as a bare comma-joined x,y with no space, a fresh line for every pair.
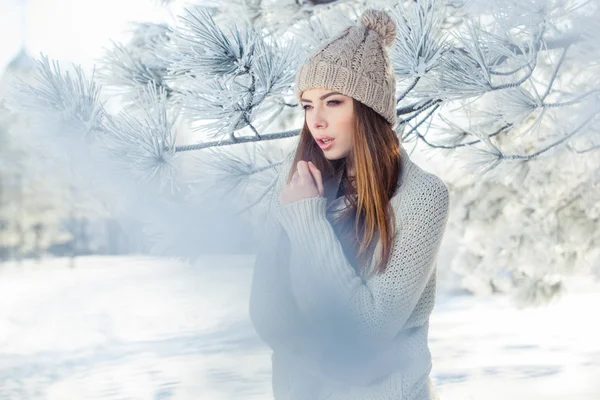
152,328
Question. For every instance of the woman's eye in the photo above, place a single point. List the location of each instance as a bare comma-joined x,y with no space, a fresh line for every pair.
329,103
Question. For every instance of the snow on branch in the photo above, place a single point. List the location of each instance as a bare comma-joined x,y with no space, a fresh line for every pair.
420,42
207,50
70,100
84,144
144,146
228,78
125,69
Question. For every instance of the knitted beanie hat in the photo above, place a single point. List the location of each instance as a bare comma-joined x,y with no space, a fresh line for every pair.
356,64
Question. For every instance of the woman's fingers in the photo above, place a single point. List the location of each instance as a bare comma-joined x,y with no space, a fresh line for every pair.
303,171
306,182
317,176
304,174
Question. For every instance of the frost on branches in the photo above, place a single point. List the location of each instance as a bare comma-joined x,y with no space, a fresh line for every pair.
190,118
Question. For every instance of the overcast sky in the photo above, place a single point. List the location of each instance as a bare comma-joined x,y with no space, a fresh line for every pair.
71,30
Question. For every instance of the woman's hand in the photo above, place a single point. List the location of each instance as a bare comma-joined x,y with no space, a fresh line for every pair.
306,182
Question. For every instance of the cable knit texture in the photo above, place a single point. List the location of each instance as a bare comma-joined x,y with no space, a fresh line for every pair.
356,64
337,333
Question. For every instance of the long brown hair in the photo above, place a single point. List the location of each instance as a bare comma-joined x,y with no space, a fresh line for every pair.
376,159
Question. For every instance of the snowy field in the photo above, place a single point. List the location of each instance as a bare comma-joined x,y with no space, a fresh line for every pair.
156,329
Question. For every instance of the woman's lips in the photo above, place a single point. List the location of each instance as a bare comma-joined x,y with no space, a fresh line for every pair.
325,146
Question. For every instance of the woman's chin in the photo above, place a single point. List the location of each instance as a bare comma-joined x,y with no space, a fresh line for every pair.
333,155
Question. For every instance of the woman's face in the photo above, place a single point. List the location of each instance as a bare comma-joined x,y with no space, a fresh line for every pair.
329,115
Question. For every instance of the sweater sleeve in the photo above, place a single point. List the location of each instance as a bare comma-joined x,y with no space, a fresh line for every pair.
272,309
325,284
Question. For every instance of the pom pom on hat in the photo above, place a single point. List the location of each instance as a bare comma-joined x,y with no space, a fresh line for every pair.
380,22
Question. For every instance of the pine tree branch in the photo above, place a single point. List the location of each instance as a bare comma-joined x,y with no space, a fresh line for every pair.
417,106
243,139
256,134
576,130
531,66
422,108
550,44
266,191
570,102
315,2
508,73
555,72
408,89
581,151
462,133
414,129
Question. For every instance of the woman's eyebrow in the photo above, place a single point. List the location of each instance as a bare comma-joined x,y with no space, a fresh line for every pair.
322,97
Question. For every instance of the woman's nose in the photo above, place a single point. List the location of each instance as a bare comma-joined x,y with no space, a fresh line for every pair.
319,121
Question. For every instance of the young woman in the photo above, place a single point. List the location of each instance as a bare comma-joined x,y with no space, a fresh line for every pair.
344,281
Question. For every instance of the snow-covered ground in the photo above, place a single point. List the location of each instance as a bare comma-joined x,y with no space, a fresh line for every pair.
150,328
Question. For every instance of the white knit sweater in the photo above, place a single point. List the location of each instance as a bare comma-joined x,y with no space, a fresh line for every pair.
337,334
